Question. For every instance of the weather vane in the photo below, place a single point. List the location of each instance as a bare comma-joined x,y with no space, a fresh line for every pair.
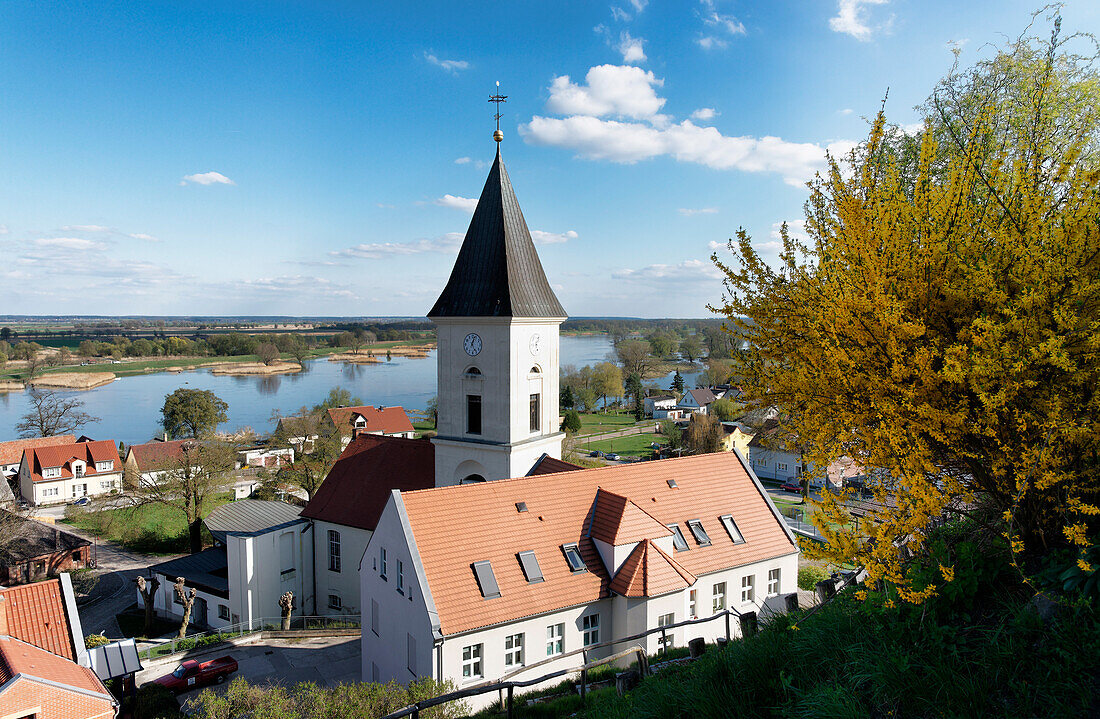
498,98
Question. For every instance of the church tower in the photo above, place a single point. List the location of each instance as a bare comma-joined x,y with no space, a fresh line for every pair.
497,324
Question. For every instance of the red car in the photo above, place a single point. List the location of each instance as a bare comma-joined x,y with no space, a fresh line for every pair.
791,487
193,674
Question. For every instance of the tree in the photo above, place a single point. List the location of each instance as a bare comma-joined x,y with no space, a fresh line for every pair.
691,347
703,434
634,389
338,397
717,372
678,382
299,350
36,362
6,333
286,605
51,414
267,353
725,409
193,413
566,398
940,322
673,434
432,410
186,481
607,381
187,600
147,588
309,469
572,421
635,356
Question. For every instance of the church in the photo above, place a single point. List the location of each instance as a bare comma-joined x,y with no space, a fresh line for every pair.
481,552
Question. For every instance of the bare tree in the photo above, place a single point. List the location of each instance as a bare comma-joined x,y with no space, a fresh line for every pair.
267,353
635,356
703,434
51,414
148,591
286,603
36,362
188,601
304,431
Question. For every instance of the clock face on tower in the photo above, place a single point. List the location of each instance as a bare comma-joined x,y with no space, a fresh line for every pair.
472,344
534,344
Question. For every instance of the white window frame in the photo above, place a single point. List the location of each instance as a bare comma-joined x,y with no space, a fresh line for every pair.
472,666
555,640
51,472
513,650
590,629
400,577
748,588
773,581
718,597
693,603
666,642
382,563
334,550
335,602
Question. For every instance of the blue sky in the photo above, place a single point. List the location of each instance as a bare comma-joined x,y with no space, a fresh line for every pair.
320,158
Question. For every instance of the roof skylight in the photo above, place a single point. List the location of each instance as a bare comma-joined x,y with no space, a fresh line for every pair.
678,541
701,537
731,527
530,565
486,580
573,556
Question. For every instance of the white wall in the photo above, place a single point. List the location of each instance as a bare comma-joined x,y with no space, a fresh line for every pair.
165,606
34,491
256,577
345,583
765,463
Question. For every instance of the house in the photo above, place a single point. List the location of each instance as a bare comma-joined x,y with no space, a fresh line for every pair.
658,406
44,667
149,463
64,472
36,551
299,432
774,455
354,421
265,456
262,550
346,508
474,582
11,453
737,435
696,400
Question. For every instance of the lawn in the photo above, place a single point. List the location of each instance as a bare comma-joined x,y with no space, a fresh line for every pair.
598,422
633,445
148,529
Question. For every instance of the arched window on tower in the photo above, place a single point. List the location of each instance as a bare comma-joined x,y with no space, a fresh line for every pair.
472,479
472,373
535,370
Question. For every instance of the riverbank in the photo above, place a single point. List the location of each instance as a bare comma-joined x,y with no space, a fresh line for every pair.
74,380
255,368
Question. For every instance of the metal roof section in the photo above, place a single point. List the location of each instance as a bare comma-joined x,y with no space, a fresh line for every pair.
249,517
207,570
498,272
116,659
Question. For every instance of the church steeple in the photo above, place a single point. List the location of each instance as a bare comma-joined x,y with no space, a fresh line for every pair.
498,273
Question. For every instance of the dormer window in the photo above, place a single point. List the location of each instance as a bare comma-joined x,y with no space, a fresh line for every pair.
104,466
51,472
573,556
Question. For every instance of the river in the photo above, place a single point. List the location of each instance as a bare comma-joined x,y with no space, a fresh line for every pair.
128,409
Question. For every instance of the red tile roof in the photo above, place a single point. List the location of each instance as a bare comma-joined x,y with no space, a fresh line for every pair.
387,420
61,455
18,657
35,613
12,452
153,454
548,465
485,517
357,487
618,521
649,572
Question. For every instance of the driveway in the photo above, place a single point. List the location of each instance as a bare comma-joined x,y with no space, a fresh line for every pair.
326,661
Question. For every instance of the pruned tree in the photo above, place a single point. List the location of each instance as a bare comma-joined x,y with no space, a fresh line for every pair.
51,414
286,604
187,599
147,588
193,413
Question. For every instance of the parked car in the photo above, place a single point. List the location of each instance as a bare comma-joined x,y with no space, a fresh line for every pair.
612,456
80,502
595,453
791,487
193,674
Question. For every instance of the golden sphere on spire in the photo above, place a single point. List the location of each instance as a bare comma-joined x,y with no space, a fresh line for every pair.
498,135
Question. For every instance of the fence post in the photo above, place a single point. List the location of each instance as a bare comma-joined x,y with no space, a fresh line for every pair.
510,689
728,636
584,675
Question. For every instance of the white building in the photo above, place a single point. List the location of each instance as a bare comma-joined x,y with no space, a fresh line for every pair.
263,550
659,406
473,583
64,472
696,400
775,456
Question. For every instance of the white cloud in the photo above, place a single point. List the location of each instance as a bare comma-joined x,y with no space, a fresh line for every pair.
619,14
913,128
4,230
709,42
552,238
462,161
70,243
610,90
639,5
688,270
448,243
207,178
86,228
452,66
629,142
466,204
631,48
298,284
704,113
715,245
689,211
143,236
851,18
727,23
846,111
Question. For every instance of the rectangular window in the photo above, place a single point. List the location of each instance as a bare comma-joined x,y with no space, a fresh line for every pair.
573,556
410,645
536,414
513,650
375,618
678,542
781,466
51,472
748,588
731,528
693,603
555,640
334,602
473,414
382,562
471,662
223,612
333,550
773,582
718,597
400,576
104,466
665,641
108,484
78,470
700,534
286,552
761,463
590,626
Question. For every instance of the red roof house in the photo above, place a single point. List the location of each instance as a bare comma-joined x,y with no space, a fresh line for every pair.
63,472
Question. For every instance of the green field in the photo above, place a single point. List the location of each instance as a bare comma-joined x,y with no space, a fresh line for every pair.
632,445
597,422
149,529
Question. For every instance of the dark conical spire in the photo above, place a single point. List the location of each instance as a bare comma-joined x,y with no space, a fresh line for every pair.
497,273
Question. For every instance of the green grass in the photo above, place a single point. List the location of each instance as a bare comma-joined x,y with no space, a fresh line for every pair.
597,422
148,529
632,445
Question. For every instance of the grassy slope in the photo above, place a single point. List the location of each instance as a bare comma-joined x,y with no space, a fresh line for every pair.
596,422
149,529
635,445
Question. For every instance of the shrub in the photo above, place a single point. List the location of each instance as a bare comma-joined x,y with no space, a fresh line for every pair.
154,701
84,580
809,575
96,640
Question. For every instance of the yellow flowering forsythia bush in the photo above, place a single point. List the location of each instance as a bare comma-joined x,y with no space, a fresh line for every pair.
942,323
